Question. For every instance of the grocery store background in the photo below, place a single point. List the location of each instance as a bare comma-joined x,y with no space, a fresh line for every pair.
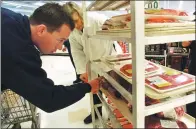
27,7
60,69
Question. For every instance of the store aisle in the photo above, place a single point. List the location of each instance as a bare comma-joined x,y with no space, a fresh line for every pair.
61,71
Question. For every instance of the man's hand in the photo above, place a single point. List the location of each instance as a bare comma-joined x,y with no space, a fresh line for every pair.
84,77
95,85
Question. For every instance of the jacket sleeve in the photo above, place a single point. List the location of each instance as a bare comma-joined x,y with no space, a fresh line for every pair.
78,54
25,77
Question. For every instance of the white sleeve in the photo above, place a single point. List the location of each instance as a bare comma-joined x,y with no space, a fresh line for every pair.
78,54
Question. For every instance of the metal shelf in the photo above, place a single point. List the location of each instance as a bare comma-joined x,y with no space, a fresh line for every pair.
148,39
139,39
104,66
121,106
155,55
107,5
149,110
111,115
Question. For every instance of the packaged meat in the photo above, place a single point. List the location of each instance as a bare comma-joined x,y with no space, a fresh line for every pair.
128,126
166,12
152,122
114,92
161,19
125,84
165,82
118,57
124,17
125,124
149,68
176,113
122,119
105,84
148,102
117,113
160,16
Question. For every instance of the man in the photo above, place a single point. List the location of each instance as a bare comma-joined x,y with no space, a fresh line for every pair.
22,41
84,49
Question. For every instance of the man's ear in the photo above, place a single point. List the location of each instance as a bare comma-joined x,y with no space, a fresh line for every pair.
41,30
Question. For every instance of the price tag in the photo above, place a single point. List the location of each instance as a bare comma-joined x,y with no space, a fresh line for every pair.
158,81
152,5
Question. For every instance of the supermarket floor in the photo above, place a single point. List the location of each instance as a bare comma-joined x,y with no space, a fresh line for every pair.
61,71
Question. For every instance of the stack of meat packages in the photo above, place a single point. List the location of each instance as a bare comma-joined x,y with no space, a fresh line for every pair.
123,21
166,119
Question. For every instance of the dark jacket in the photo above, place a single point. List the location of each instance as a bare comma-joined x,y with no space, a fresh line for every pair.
21,67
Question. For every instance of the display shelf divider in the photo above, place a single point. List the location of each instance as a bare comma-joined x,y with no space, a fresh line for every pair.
138,56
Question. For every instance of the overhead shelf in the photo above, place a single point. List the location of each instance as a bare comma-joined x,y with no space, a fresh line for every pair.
109,5
150,39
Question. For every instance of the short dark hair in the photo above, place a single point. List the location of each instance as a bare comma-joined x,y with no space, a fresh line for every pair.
52,15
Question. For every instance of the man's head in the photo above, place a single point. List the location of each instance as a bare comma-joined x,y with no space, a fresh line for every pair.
75,12
50,27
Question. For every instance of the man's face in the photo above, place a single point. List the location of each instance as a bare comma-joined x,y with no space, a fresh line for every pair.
49,42
78,21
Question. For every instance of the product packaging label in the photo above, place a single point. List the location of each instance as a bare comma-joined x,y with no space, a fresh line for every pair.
170,114
169,124
158,81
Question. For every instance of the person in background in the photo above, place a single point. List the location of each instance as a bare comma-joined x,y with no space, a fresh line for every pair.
84,49
22,40
192,70
67,45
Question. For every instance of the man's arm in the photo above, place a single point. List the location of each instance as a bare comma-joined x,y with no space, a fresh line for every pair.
25,77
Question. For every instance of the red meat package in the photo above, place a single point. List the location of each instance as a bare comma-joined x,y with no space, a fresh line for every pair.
175,113
149,68
161,19
165,81
125,125
166,12
152,122
123,21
